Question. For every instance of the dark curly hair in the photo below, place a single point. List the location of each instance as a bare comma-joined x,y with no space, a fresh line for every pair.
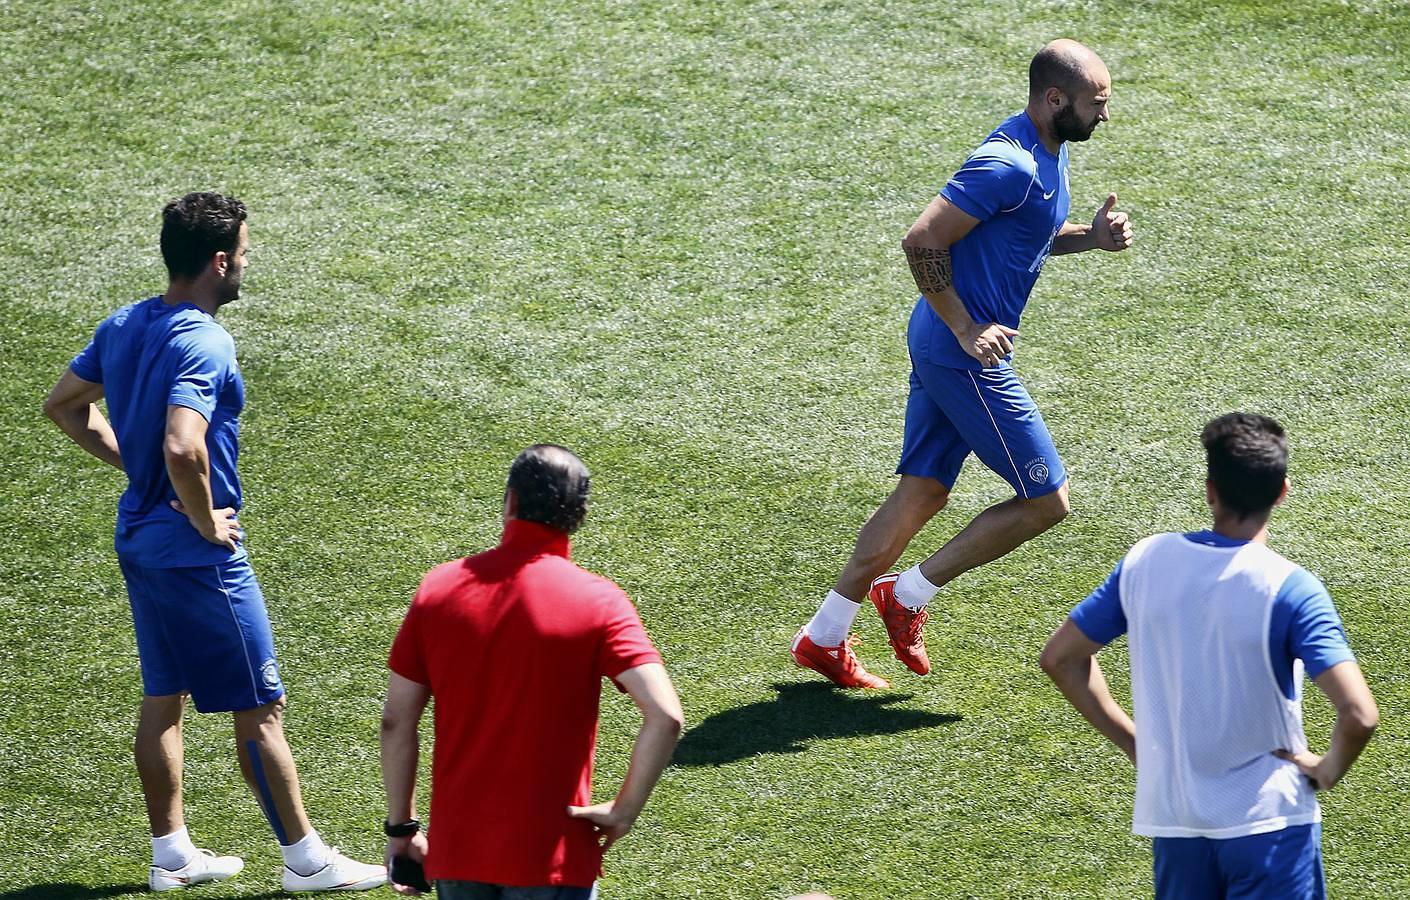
197,227
551,486
1247,456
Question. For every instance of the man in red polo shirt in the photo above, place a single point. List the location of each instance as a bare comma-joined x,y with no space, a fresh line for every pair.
513,643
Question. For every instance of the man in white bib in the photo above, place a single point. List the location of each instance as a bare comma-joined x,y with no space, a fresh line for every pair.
1221,629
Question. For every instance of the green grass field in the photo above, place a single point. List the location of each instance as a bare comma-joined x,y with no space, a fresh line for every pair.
666,235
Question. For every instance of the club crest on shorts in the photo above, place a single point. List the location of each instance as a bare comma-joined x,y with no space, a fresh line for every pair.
269,673
1038,470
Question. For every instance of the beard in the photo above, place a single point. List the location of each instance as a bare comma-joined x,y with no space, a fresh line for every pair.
1068,126
229,291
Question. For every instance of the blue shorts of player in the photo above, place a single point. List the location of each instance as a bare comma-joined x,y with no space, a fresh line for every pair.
952,412
203,629
1279,865
479,890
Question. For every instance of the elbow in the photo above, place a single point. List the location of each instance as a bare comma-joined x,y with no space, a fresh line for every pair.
56,411
180,452
674,724
1363,719
669,721
1049,662
395,721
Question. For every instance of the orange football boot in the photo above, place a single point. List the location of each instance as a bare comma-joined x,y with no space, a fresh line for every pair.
902,625
838,664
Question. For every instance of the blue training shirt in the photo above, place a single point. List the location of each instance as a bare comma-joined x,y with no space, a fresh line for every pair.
1019,193
1304,623
149,356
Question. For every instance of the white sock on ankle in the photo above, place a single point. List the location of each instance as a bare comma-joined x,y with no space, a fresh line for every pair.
913,591
829,626
308,855
172,851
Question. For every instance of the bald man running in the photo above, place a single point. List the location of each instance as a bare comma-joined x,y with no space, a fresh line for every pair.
975,253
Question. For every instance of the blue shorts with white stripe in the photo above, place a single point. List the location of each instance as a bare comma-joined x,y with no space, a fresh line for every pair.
203,629
953,412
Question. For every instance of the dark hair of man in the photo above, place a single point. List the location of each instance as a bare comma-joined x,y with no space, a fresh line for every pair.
197,227
551,486
1247,455
1055,68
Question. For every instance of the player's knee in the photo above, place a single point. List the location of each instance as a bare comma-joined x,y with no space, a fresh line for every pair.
261,721
927,494
1050,509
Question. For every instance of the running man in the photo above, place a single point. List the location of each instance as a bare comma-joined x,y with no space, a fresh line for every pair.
975,253
168,374
1220,628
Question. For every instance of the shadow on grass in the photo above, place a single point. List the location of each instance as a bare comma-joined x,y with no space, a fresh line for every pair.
66,891
801,713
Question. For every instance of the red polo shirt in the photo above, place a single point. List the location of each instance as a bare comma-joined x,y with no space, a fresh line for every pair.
513,644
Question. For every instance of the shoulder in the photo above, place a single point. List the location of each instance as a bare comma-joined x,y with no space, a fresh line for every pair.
1300,589
192,331
1003,154
1149,546
594,586
439,581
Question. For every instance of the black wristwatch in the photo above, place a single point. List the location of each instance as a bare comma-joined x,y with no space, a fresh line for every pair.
401,829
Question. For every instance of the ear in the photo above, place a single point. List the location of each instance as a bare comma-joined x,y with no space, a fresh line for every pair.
221,263
1055,97
511,504
1210,497
1283,494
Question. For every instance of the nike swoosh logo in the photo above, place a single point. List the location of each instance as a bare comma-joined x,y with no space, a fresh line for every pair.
1049,194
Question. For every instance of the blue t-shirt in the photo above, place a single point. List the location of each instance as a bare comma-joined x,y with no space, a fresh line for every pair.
149,356
1304,624
1018,191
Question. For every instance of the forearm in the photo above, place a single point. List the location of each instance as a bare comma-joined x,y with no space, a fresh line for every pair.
87,428
650,755
933,272
1074,238
1083,684
1350,735
401,752
188,467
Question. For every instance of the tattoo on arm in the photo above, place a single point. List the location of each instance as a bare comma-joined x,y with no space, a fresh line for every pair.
931,268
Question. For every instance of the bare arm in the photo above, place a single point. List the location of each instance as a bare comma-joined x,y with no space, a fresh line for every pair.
1070,661
188,466
927,246
1357,718
650,687
1110,230
401,751
72,405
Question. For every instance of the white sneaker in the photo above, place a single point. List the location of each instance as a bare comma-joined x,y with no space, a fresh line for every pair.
340,874
204,866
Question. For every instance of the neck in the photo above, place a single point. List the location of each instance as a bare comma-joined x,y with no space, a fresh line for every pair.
1249,528
1045,130
180,290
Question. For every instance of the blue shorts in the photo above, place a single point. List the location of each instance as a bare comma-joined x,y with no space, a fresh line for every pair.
203,630
952,412
1279,865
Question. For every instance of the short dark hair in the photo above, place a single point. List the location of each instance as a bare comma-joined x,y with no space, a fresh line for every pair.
1247,456
1056,67
197,227
550,485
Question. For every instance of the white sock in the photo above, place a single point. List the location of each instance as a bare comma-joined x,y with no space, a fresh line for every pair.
829,626
308,855
913,591
172,851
